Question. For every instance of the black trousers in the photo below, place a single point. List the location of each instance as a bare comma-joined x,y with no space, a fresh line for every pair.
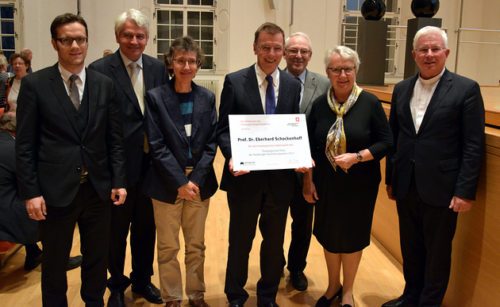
244,214
426,241
93,217
137,215
302,221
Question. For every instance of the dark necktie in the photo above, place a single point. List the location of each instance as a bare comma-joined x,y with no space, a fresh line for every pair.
73,91
301,91
270,98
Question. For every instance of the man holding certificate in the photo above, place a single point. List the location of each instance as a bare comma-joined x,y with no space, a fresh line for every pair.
259,89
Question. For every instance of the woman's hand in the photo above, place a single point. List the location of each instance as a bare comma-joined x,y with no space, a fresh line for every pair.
346,161
188,191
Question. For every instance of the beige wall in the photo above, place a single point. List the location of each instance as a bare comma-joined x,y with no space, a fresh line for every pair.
238,19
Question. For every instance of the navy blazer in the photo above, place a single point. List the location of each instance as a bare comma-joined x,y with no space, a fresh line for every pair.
446,153
155,74
169,145
50,147
241,95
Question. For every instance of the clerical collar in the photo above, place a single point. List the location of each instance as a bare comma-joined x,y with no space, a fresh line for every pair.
431,81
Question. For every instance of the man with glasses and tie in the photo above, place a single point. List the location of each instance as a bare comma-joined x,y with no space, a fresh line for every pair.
259,89
133,73
298,53
70,161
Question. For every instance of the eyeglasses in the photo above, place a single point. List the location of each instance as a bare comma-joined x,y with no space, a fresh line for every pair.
425,50
295,51
183,62
338,70
68,41
130,36
268,49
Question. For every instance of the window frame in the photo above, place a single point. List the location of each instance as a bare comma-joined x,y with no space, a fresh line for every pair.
15,23
185,9
349,33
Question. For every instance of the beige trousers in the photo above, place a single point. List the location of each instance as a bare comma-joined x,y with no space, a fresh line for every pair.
169,218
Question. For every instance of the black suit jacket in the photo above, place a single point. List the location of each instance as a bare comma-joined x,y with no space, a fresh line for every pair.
154,73
15,224
446,153
240,95
169,143
51,149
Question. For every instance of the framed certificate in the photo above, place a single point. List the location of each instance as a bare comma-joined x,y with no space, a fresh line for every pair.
269,142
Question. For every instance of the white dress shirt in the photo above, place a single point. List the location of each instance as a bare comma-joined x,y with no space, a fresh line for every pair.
261,81
422,95
80,81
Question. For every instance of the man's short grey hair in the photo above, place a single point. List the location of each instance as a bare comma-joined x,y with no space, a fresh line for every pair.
8,122
136,16
345,53
26,52
298,34
430,30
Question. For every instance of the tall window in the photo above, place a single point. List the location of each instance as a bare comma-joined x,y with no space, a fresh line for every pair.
176,18
351,17
7,31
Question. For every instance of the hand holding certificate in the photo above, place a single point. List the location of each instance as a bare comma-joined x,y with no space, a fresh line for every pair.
269,142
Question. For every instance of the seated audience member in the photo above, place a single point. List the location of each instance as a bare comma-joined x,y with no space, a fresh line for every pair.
180,124
4,77
15,224
27,53
20,65
107,52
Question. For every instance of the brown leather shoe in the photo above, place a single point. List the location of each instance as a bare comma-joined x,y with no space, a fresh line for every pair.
173,304
198,303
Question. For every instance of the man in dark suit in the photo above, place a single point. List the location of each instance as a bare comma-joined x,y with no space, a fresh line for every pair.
298,53
264,193
133,73
70,161
15,224
437,119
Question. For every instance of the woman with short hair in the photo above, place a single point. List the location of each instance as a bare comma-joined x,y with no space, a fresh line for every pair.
348,134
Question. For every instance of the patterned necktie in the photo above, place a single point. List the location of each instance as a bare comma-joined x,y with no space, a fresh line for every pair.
270,98
134,71
73,91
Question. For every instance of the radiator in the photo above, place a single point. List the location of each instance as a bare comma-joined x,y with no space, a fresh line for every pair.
211,85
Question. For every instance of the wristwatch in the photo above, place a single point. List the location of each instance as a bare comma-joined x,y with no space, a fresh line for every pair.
359,157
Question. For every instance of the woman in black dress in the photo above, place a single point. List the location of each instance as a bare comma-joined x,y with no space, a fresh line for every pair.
349,134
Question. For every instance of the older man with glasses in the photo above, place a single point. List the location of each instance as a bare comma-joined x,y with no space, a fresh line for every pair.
133,73
298,53
437,120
